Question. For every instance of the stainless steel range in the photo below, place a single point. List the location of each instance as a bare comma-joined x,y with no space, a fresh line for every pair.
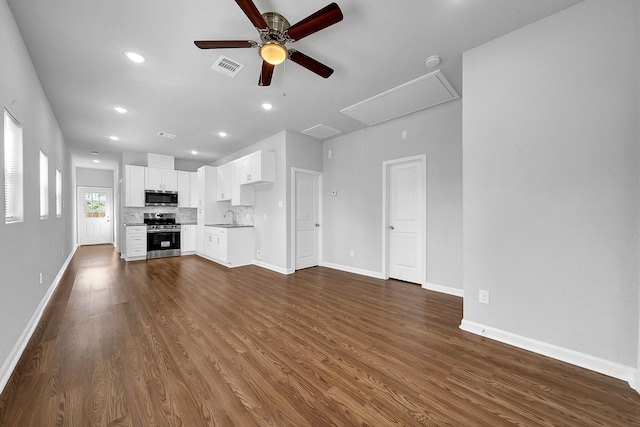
163,235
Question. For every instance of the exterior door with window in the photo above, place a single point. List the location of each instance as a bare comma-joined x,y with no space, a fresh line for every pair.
94,216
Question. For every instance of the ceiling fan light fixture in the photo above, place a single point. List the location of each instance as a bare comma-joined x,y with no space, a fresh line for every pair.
273,53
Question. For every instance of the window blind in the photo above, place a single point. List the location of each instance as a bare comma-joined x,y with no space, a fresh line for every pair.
13,175
44,185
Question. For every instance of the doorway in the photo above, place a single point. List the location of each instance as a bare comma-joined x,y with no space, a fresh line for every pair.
94,216
404,219
306,206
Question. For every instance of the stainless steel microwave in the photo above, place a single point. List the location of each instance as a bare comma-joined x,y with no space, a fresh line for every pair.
161,198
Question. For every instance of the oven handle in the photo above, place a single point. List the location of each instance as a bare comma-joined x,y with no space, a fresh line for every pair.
162,231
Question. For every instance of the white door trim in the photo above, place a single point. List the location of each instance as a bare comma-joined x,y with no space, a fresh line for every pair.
80,206
386,165
292,244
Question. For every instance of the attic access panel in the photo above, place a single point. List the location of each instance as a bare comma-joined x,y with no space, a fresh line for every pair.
424,92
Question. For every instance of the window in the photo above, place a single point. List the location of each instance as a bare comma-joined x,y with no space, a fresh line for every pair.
44,185
58,193
13,177
95,205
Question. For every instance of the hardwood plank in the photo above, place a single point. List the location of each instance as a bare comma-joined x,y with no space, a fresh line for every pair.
184,341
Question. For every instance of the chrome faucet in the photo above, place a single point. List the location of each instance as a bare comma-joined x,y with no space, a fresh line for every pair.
233,216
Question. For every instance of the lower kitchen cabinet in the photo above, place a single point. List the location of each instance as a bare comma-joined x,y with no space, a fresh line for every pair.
231,246
136,242
188,239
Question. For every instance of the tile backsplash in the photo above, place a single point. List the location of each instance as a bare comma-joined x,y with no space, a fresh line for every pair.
135,215
244,214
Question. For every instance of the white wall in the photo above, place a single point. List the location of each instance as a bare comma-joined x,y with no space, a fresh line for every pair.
34,246
94,178
551,182
353,218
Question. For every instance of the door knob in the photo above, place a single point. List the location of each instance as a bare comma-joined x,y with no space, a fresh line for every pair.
391,227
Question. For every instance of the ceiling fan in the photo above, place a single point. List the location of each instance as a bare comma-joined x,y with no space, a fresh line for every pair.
275,31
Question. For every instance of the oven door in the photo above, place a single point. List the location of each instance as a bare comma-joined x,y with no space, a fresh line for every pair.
163,243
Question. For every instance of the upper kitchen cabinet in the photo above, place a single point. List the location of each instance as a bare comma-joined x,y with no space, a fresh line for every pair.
187,189
134,186
258,167
161,179
224,182
241,195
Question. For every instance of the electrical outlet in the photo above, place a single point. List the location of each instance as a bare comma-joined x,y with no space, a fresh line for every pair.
483,296
352,253
41,278
259,254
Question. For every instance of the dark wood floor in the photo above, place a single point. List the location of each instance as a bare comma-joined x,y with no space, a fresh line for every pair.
185,342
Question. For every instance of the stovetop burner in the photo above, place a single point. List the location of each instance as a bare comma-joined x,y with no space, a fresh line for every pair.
161,221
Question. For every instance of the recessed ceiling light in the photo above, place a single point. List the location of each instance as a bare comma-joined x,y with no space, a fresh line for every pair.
135,57
267,106
114,138
194,152
120,110
222,134
96,161
95,153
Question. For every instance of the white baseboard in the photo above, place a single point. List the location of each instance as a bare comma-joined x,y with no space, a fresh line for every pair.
603,366
273,267
374,274
444,289
14,357
635,380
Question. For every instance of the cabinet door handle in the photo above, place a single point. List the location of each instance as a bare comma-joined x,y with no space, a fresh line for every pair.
391,227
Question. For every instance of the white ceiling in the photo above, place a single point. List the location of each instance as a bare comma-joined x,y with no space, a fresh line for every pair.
77,49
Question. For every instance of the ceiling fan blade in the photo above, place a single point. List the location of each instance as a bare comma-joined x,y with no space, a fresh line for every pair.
224,44
266,74
310,63
252,12
323,18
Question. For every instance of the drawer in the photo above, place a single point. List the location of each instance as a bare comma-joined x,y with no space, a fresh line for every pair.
219,231
138,229
137,239
136,251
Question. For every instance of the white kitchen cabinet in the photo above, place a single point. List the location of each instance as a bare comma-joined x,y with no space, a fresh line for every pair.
186,198
241,195
160,179
231,247
194,189
224,183
136,242
134,186
188,239
209,210
258,167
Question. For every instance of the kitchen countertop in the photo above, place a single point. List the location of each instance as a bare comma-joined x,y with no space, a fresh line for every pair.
228,225
136,224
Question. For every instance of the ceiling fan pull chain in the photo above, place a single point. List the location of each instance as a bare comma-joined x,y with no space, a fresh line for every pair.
284,79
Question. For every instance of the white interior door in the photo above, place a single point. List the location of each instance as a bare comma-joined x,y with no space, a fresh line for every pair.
94,216
406,207
307,217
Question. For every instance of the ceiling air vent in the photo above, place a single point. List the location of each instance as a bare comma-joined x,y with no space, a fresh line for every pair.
166,135
227,66
424,92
